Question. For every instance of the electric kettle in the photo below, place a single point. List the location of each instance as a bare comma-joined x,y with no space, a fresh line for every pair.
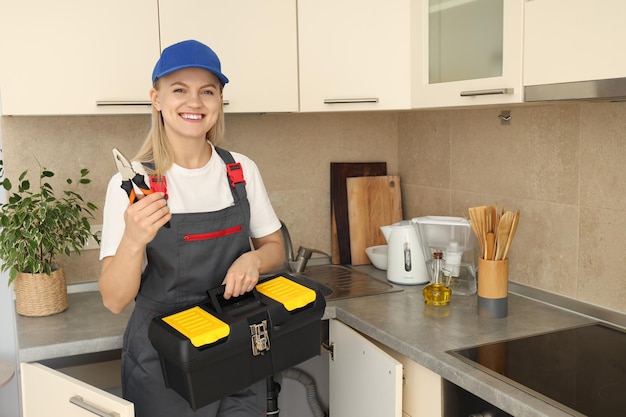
405,257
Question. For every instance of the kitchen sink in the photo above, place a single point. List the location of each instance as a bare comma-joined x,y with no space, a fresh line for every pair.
340,282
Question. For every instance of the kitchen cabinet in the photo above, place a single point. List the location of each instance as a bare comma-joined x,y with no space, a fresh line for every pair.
256,42
48,392
88,57
421,387
354,55
573,40
77,56
466,53
364,380
368,378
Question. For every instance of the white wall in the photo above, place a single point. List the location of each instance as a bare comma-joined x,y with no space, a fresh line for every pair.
9,405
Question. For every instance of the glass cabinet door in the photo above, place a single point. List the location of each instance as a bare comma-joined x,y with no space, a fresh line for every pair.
467,52
464,40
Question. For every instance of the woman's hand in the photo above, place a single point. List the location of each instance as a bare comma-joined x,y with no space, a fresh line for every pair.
243,274
145,217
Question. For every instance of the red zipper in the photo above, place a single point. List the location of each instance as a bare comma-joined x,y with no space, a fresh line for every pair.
212,235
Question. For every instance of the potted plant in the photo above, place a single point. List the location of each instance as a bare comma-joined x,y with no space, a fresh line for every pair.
36,225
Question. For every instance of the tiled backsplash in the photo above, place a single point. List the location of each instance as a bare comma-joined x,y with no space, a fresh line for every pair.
561,165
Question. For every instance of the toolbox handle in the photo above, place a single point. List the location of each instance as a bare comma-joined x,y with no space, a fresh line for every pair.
218,302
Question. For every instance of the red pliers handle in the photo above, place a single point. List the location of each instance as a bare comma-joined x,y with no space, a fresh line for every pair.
130,177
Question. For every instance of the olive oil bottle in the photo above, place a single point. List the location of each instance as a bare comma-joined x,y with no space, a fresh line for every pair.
437,293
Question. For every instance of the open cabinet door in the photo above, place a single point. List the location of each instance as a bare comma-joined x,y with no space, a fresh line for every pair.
47,392
364,380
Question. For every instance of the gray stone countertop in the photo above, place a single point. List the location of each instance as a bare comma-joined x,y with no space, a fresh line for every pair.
85,327
399,320
425,333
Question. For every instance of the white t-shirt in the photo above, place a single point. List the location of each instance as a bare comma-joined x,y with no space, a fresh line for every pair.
192,191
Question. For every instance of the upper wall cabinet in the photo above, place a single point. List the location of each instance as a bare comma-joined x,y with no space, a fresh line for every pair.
77,56
567,41
466,52
354,54
94,57
255,40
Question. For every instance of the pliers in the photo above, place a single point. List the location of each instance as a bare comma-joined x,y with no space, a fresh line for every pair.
130,177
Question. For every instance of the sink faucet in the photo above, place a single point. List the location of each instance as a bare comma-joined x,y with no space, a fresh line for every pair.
296,263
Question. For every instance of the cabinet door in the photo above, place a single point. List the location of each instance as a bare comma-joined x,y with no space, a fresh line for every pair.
255,40
354,54
77,56
573,40
421,389
467,52
46,392
364,380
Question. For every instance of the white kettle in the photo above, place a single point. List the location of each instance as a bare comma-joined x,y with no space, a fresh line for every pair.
405,257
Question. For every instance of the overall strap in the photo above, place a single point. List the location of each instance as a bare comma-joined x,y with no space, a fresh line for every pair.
235,175
237,184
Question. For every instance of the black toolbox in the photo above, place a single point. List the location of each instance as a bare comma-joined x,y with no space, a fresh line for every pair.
212,350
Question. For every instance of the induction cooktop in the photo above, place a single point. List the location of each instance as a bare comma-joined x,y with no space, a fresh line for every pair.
580,370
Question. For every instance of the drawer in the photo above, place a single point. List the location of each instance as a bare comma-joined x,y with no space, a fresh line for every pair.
49,392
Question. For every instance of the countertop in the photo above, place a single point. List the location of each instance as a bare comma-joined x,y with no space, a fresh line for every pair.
399,320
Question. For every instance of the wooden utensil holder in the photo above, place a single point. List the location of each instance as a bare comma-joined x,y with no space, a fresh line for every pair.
493,288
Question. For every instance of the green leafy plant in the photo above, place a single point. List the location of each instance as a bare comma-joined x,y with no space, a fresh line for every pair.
37,225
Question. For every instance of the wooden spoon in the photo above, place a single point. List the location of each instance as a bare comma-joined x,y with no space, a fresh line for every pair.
496,236
485,228
477,217
514,224
494,219
476,226
504,229
491,246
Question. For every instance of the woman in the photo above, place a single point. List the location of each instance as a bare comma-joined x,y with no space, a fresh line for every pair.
211,224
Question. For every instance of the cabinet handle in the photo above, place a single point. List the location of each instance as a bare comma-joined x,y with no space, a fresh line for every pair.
78,401
132,103
350,100
495,91
225,102
123,103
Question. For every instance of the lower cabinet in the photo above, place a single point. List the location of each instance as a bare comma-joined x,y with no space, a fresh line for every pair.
364,380
370,379
50,392
421,388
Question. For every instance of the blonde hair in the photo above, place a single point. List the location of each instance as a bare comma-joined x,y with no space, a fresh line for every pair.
158,150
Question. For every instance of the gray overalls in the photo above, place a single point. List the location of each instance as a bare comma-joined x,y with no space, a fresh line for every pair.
184,261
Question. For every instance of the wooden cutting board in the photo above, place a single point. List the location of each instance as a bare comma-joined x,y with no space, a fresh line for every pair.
340,229
372,202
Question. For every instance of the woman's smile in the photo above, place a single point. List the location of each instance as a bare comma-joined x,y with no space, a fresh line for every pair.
192,116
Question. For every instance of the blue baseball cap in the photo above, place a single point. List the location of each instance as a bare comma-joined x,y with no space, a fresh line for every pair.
188,54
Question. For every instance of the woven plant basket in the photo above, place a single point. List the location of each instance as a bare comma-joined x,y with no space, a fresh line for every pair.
38,295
